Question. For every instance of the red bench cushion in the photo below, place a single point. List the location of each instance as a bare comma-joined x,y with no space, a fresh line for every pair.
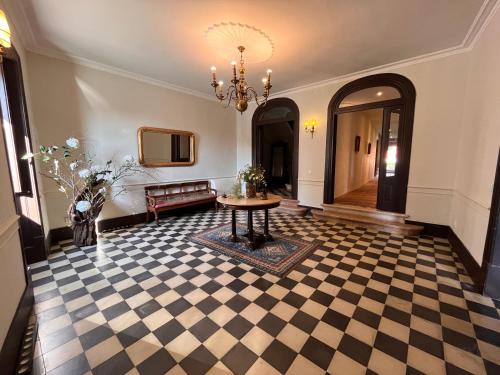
185,198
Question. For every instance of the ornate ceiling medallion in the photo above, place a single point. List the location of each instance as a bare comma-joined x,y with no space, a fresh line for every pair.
225,37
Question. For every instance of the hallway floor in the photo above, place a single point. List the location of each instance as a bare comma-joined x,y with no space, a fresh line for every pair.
146,300
365,196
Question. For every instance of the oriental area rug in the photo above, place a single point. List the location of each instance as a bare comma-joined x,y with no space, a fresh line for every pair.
277,256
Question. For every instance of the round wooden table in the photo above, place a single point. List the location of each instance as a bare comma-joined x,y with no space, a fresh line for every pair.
250,205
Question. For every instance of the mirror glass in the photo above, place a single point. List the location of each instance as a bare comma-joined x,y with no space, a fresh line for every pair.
164,147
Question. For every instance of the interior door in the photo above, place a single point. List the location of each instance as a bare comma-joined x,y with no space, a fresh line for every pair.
14,119
389,186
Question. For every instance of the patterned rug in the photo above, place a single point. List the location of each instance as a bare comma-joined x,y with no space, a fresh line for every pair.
276,257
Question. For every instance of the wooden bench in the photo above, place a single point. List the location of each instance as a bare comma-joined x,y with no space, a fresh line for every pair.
172,196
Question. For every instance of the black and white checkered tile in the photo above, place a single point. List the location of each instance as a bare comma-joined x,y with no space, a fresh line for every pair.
147,301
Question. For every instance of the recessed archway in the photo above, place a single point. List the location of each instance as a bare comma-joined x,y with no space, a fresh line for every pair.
391,197
277,112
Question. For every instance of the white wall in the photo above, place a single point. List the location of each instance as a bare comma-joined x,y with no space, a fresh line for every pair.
479,142
105,110
354,169
12,282
440,85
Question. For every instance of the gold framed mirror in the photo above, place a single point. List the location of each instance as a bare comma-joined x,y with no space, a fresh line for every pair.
160,147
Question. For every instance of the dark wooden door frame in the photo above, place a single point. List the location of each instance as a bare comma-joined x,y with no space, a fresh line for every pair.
32,234
407,101
293,116
490,267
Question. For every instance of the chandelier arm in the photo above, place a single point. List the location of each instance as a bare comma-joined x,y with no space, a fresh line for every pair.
229,96
252,92
256,97
219,96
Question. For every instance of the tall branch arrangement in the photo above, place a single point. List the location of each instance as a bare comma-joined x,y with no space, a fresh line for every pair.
84,182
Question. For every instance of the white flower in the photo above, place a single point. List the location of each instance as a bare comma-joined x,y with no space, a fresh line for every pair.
83,206
99,176
73,165
72,142
84,173
96,168
102,190
128,159
108,177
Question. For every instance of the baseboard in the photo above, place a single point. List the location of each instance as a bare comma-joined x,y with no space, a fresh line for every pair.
434,230
12,345
64,233
476,273
492,282
120,222
59,234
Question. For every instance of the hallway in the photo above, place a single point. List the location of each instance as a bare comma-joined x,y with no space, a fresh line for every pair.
365,196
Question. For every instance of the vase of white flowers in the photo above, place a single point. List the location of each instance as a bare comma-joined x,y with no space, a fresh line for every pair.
84,182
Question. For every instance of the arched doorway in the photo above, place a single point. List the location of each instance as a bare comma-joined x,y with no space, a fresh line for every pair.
394,96
275,144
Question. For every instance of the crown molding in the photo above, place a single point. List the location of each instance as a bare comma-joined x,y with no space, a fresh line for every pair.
481,21
483,18
28,39
118,71
19,23
378,69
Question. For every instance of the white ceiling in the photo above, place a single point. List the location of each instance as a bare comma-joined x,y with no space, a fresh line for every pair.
313,40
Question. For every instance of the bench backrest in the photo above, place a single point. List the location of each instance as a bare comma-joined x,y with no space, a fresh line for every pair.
177,188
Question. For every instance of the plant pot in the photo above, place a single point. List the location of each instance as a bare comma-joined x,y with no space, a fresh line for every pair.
84,224
84,233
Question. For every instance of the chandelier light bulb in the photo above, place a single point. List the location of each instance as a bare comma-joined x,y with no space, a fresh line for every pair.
221,83
269,71
213,69
264,80
233,62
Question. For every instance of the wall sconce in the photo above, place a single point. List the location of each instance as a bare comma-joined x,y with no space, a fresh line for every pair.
4,34
310,126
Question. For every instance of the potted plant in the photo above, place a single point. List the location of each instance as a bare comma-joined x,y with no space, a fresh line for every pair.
253,176
85,183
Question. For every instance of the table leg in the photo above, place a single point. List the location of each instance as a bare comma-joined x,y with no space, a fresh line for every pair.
267,236
250,230
233,237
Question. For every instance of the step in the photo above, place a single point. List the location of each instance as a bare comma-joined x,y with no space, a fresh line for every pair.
345,209
289,202
297,211
369,222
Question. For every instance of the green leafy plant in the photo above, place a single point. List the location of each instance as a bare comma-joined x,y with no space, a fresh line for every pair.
252,174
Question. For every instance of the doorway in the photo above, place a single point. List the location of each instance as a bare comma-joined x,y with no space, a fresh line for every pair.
356,161
14,117
392,98
275,145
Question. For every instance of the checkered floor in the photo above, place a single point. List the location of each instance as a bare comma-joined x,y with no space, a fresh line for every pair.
147,301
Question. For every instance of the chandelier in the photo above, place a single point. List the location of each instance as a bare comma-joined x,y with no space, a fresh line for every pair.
239,91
